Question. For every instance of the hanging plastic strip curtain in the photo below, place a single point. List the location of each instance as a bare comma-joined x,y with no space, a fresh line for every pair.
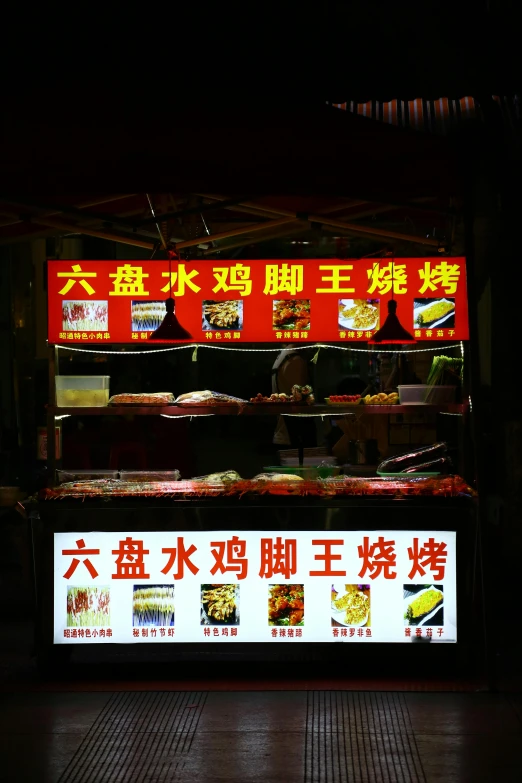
435,116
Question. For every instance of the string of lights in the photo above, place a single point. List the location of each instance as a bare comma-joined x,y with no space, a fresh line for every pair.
196,346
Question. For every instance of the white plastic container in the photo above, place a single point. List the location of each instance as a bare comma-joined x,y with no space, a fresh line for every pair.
150,475
422,394
85,474
82,391
413,394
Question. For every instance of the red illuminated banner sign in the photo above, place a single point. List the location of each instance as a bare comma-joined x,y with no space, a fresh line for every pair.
328,300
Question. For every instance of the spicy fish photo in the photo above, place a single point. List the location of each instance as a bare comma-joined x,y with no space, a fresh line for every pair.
358,314
350,605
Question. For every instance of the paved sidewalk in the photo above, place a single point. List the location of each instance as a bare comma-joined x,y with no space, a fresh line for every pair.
130,720
260,737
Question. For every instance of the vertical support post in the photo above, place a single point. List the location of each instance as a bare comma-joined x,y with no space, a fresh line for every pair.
51,419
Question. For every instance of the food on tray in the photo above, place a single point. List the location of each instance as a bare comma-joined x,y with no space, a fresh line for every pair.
216,478
362,314
156,398
407,485
207,397
277,477
381,399
273,398
219,602
286,605
423,605
82,398
415,457
300,394
303,394
222,314
354,603
291,314
343,399
434,312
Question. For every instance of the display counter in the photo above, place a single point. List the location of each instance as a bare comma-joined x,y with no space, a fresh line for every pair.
383,566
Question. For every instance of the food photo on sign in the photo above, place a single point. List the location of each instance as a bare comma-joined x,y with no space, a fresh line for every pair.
85,316
88,606
219,604
350,605
423,605
358,314
147,315
153,605
222,315
286,605
432,313
291,314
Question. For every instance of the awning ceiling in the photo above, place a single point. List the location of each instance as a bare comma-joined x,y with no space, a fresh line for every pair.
200,225
302,173
302,150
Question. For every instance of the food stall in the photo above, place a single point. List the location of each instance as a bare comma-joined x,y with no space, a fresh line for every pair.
313,558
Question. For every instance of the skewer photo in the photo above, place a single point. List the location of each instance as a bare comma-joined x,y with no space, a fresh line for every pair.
153,605
88,606
87,316
147,316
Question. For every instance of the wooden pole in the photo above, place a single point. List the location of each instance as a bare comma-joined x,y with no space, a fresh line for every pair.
51,420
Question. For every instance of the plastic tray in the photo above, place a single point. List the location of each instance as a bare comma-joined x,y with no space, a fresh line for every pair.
328,402
306,471
84,474
150,475
420,474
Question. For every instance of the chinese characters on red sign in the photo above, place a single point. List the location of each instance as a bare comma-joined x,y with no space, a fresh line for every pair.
124,301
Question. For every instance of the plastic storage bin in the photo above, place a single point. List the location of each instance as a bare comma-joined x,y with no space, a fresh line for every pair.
422,394
84,474
150,475
82,390
412,395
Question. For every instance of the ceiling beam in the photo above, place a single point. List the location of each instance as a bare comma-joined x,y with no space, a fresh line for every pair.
52,210
233,232
125,239
261,208
299,229
196,210
245,230
340,224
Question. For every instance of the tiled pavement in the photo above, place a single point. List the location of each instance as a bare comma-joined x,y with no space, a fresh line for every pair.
260,737
296,730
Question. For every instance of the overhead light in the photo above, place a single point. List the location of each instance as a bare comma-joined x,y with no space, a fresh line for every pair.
170,328
392,331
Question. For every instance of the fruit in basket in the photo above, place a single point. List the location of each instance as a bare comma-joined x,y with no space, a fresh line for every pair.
344,398
381,399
